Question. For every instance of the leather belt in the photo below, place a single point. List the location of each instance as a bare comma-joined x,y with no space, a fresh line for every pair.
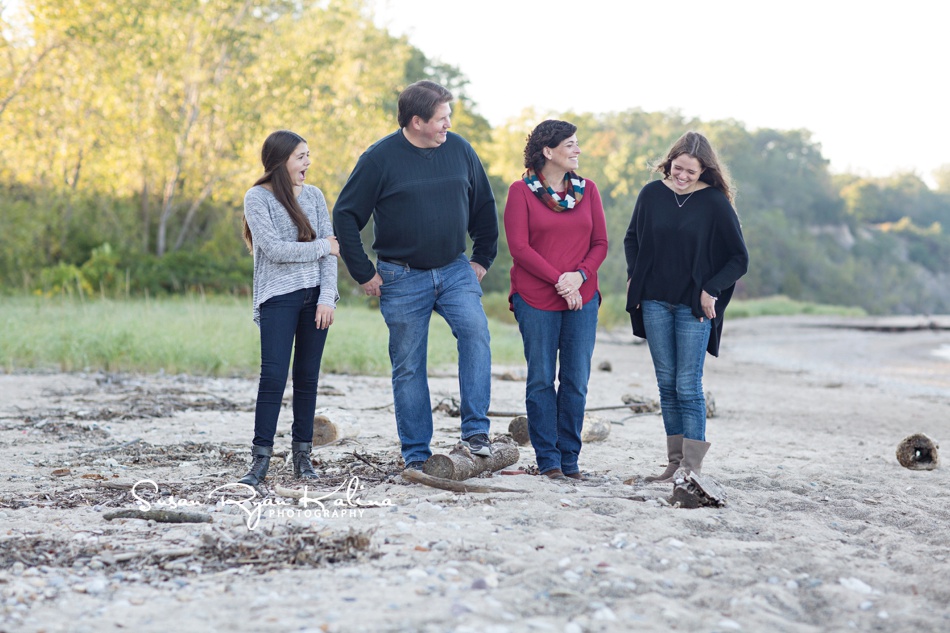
397,262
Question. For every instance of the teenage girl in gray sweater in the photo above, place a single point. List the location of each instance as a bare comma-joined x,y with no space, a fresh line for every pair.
287,228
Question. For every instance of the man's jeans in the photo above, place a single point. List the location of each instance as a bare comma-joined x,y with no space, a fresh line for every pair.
288,321
407,299
556,417
677,342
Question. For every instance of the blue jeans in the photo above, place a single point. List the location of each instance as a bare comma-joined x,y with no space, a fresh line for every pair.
677,342
407,299
288,321
556,416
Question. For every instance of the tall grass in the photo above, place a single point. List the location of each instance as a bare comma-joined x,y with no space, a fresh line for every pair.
215,335
196,335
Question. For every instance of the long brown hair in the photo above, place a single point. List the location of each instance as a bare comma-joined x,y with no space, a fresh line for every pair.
274,155
696,145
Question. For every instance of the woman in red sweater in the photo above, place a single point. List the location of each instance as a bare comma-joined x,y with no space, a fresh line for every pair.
557,235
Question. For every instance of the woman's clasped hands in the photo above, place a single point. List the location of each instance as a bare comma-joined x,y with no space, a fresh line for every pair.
569,287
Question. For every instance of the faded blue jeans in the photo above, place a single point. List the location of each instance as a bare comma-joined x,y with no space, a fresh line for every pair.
556,416
288,323
408,297
677,342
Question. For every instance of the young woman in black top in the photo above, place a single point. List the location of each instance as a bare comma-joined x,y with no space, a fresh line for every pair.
685,252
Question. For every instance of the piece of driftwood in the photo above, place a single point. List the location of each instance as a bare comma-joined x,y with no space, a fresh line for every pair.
917,452
333,426
710,405
161,516
638,404
518,428
419,477
352,497
697,491
595,429
460,464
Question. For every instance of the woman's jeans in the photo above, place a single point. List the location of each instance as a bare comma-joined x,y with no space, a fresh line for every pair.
677,342
556,415
288,322
407,299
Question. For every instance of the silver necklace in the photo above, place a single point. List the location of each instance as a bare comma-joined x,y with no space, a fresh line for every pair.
680,204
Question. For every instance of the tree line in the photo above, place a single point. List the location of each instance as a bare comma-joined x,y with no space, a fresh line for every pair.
132,129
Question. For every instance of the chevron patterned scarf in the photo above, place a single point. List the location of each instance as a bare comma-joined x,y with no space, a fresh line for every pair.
573,193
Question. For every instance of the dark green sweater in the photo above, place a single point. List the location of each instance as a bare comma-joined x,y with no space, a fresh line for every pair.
422,201
675,253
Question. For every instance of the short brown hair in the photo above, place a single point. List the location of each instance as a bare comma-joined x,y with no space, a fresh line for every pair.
421,99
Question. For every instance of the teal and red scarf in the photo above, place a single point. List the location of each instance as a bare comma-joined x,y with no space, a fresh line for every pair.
573,192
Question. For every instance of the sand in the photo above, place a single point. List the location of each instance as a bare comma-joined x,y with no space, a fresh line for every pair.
823,530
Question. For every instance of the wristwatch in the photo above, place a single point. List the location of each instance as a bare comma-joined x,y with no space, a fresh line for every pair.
582,274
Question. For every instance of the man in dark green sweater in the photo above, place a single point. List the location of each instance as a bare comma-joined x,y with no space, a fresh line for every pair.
425,189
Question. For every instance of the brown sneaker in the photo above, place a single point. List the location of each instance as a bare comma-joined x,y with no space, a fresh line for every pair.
578,476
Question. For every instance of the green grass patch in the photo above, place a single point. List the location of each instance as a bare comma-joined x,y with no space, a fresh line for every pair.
196,335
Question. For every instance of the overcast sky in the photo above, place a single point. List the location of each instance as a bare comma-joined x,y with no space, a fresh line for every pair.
868,79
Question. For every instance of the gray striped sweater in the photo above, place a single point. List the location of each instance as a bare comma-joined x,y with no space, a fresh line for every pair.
281,263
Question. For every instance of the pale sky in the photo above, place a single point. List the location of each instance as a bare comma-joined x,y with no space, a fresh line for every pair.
868,79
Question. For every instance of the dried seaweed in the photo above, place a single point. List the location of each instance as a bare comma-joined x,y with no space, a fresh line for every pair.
280,547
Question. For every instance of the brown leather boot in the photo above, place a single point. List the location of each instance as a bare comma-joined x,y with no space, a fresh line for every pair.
674,452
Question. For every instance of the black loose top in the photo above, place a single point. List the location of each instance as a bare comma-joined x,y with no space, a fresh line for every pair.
674,253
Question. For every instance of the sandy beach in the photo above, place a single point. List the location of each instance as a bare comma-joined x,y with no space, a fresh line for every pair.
823,529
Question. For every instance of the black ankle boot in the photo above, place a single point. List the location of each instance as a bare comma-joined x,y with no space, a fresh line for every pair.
260,456
303,469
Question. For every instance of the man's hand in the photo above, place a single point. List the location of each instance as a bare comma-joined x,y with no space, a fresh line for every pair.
480,271
371,287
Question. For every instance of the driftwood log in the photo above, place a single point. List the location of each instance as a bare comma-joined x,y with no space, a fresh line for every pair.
639,404
595,429
161,516
460,464
697,491
333,426
917,452
417,477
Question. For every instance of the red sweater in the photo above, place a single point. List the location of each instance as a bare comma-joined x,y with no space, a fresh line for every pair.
544,244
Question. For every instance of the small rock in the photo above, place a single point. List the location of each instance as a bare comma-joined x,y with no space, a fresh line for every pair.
605,614
855,585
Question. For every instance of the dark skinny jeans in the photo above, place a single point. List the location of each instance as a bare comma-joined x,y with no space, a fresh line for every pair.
288,323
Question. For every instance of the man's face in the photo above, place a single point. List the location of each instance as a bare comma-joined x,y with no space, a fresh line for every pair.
432,133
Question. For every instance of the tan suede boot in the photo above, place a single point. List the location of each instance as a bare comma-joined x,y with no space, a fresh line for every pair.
693,453
674,451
